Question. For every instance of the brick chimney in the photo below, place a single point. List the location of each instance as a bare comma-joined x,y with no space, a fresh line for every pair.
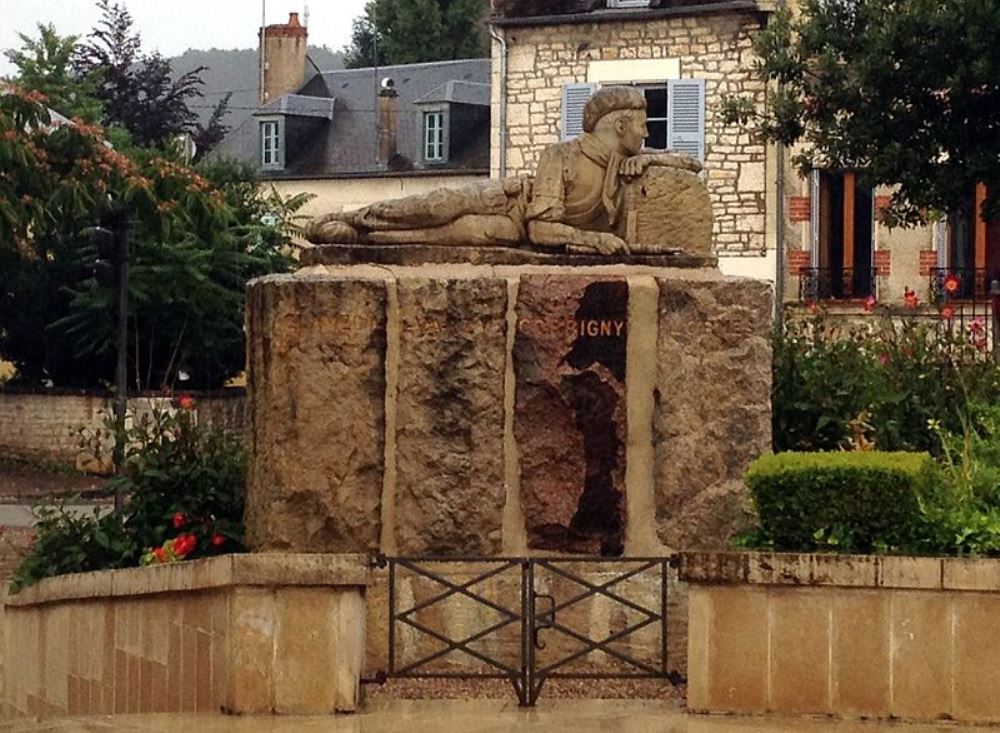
284,57
388,121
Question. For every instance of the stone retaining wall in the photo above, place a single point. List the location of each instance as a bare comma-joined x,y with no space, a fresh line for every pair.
239,633
47,426
856,636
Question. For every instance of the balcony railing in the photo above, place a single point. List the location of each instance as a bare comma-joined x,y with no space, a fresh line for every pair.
834,283
950,283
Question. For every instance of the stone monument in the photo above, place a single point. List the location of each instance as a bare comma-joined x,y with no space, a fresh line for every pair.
600,193
543,364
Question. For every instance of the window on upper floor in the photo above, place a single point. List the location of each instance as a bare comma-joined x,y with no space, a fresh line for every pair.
628,3
271,153
434,137
675,114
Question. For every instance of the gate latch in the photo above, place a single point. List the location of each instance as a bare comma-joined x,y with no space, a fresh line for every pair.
542,620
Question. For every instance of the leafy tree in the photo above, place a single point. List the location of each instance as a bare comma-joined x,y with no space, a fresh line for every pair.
210,135
197,237
136,89
908,91
45,65
412,31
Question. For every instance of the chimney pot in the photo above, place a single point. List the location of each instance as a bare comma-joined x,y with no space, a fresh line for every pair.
293,20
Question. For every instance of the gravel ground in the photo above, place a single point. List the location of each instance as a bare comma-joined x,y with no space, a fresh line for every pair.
464,689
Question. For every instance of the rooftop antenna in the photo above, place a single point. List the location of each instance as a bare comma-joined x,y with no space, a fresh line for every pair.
305,15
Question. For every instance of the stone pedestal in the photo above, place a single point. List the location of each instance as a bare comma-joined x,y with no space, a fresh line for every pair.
457,409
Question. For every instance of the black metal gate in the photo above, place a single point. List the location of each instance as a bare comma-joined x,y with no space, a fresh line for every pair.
528,620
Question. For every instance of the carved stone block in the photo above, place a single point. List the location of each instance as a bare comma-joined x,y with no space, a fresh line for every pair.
450,415
713,405
317,412
668,209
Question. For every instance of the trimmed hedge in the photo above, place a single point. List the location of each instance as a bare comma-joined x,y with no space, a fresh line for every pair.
849,502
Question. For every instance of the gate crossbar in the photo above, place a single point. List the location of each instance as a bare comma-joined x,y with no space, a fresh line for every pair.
527,676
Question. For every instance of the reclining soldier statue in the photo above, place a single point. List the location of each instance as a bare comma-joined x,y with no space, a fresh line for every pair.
574,202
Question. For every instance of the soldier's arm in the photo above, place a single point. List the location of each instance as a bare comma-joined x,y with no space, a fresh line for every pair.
556,234
637,164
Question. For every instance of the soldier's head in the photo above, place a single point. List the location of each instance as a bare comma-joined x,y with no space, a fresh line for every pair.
620,111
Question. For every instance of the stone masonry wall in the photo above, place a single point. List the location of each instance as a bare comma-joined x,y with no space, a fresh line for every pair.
716,48
47,426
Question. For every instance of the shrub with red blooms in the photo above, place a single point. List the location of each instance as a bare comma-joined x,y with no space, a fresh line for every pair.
899,372
184,486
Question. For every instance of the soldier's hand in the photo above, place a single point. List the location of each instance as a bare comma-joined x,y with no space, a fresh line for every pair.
609,244
634,166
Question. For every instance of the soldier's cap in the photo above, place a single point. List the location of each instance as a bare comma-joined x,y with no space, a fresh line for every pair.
610,99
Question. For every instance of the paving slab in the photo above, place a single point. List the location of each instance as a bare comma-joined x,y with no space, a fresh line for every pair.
482,716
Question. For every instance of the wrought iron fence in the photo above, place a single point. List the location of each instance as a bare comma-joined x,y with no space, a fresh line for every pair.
523,619
833,283
949,284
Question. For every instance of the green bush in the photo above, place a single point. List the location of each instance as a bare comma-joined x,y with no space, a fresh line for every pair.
182,481
848,502
885,379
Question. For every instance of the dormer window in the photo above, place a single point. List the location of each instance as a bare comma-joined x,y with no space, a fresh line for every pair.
434,137
271,152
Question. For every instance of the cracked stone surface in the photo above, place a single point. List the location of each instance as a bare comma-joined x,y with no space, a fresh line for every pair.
713,406
450,415
316,390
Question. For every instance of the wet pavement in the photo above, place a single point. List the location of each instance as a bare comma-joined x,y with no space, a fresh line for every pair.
481,716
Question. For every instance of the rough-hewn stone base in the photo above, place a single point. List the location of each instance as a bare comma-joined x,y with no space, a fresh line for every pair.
472,409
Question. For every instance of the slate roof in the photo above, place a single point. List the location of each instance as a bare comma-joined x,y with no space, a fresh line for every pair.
458,92
299,105
517,12
347,144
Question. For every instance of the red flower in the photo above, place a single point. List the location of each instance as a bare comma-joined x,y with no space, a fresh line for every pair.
870,303
910,298
951,283
218,540
948,312
160,554
185,402
179,520
184,544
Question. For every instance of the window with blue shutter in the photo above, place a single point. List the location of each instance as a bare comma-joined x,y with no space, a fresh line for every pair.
686,123
575,97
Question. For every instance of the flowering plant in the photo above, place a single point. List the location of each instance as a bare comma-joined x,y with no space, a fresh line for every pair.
184,486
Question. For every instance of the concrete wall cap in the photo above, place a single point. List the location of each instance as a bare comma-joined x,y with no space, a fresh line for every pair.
849,571
258,569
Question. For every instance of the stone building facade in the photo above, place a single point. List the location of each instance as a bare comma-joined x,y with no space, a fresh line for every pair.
653,49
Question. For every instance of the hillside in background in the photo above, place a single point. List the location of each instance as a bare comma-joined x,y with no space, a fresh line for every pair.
237,71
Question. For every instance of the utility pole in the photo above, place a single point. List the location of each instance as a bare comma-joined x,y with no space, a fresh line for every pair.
111,240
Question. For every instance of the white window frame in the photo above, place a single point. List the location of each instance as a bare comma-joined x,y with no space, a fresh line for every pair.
665,87
434,149
628,3
814,192
272,154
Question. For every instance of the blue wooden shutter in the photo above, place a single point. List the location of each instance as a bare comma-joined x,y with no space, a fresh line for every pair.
575,96
686,123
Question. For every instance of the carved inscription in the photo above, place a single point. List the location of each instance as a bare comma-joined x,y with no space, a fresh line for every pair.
570,411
